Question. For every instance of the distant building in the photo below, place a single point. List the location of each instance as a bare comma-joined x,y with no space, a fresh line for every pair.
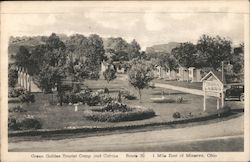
194,74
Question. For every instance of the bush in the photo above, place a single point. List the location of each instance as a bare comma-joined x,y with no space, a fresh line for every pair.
29,123
176,115
179,99
94,99
13,124
162,100
127,95
105,99
16,92
106,90
27,97
117,112
12,77
17,109
24,124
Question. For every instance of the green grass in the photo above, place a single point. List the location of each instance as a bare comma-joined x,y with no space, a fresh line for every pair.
57,117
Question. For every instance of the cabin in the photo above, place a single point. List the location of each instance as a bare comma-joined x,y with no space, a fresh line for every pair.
194,74
183,74
164,73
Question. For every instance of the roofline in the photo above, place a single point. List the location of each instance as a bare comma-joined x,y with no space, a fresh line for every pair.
212,74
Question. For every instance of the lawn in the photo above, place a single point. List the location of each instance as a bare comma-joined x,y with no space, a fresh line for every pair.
194,85
57,117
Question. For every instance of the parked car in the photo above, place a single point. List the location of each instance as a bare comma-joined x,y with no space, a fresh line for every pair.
235,91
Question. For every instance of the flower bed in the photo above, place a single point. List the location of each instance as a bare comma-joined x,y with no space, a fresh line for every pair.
117,112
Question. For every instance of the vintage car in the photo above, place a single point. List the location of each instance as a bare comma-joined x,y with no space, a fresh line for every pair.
235,91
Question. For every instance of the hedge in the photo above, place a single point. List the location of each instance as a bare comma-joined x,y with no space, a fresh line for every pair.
118,113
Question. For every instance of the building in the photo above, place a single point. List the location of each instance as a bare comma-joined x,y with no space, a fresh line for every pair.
194,74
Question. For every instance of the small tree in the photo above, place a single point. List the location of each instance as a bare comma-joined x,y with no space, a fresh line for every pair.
110,73
140,74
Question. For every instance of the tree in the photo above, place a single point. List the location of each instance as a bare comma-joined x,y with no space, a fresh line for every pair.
186,54
23,57
95,55
53,68
140,74
110,73
213,50
134,50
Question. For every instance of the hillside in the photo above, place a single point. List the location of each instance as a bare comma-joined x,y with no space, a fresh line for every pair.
166,48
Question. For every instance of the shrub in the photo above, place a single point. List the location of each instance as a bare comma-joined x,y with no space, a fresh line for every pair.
94,99
106,90
27,97
30,123
17,108
16,92
179,99
176,115
12,77
105,99
127,95
24,124
117,112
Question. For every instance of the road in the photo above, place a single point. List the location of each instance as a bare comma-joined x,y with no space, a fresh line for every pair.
221,136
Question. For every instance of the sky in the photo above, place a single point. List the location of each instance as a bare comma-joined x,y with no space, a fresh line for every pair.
148,23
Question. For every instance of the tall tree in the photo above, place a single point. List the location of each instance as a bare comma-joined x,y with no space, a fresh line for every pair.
53,68
213,50
140,74
186,54
23,57
134,51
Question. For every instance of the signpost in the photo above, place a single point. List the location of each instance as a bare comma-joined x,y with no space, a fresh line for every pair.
213,86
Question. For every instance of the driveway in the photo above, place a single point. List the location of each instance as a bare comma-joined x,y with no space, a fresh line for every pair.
182,89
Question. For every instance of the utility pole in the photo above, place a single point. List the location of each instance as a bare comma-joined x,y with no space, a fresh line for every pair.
222,70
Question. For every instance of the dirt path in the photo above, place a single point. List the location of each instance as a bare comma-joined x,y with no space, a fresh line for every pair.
182,89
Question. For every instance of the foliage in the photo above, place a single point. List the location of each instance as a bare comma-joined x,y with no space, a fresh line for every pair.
117,112
128,95
52,71
28,122
109,74
12,77
17,108
213,50
27,97
22,57
179,99
140,74
186,54
176,115
16,92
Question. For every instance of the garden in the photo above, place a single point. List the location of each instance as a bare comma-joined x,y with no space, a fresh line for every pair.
102,109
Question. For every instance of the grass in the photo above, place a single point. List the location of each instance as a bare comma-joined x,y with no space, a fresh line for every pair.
194,85
57,117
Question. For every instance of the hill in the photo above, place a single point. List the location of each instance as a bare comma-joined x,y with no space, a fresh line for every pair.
166,48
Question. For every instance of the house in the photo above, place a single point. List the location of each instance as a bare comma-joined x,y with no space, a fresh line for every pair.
194,74
164,73
183,74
